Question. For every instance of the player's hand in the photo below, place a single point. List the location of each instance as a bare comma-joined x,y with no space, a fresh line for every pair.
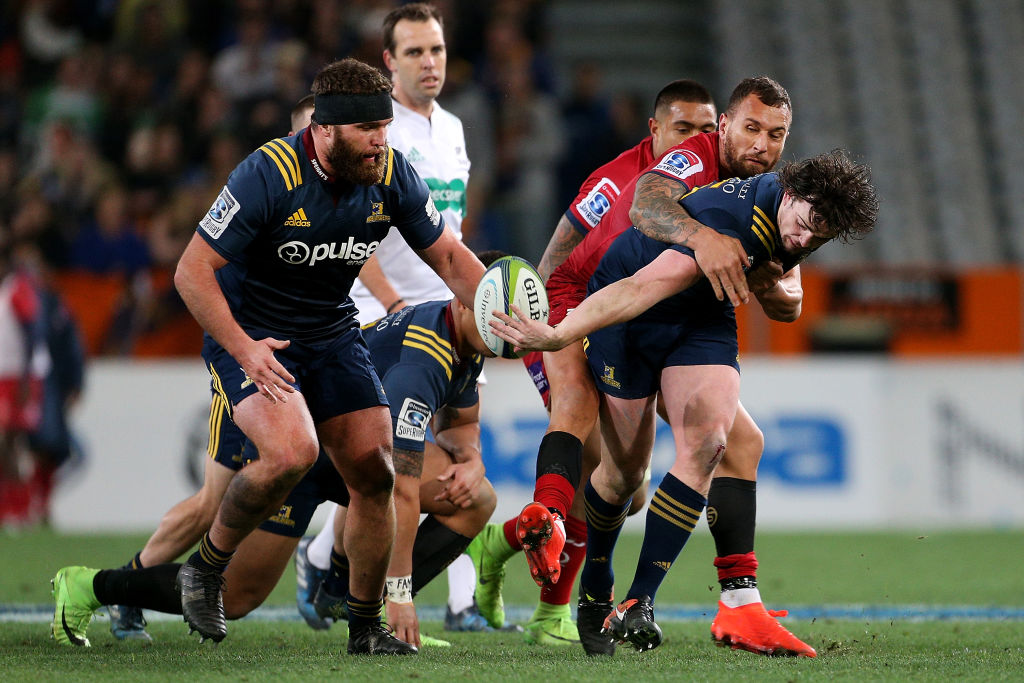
263,368
764,277
722,259
459,482
525,334
401,616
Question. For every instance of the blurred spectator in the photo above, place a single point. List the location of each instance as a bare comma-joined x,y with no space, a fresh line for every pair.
246,70
109,242
152,33
24,363
588,126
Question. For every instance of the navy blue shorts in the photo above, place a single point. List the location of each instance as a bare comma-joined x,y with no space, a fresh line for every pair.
626,360
335,377
322,483
227,445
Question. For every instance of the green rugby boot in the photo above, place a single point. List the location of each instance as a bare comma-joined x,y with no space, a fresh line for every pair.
551,625
489,552
75,603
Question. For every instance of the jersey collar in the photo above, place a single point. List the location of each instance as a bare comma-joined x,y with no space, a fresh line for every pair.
307,143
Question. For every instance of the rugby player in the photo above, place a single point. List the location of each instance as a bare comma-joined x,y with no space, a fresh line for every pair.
297,219
654,323
184,524
429,357
433,142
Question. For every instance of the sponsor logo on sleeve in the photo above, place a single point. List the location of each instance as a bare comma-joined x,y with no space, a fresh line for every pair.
412,421
432,213
680,164
224,208
597,203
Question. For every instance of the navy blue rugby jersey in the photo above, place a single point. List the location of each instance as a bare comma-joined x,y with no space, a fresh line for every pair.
301,237
414,354
744,209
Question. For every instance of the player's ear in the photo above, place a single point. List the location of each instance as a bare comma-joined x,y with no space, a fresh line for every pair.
652,125
388,60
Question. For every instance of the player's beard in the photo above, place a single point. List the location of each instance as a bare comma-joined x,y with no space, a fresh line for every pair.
742,168
349,164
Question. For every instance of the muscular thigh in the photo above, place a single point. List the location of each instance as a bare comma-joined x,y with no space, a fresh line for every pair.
573,396
627,429
358,442
698,399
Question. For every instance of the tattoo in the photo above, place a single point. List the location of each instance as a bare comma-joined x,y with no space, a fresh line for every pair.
444,418
656,211
563,241
409,463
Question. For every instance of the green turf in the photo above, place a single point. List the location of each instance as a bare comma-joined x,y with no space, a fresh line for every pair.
947,568
937,568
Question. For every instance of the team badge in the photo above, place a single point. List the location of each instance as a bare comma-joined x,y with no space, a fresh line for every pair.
680,164
598,201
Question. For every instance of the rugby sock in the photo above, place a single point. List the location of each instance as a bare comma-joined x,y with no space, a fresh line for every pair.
572,559
135,562
435,547
509,528
150,588
732,511
210,556
674,511
336,581
318,552
604,522
363,612
461,583
559,466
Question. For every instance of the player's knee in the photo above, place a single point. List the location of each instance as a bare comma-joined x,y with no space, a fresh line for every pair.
485,500
373,473
290,464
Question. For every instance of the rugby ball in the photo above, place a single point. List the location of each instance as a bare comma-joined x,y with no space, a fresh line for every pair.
508,281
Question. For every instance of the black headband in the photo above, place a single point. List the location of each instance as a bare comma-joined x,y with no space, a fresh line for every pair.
333,110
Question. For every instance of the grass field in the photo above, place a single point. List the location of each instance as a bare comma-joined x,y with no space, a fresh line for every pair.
893,594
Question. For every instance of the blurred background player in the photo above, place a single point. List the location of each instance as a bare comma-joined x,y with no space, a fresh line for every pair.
432,140
429,357
654,324
682,108
185,523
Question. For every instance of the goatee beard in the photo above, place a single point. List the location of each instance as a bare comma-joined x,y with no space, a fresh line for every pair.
349,165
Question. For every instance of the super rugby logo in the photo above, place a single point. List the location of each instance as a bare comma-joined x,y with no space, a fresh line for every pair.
597,203
680,164
297,253
224,208
412,421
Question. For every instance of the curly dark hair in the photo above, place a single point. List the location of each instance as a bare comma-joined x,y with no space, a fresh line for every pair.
839,190
349,77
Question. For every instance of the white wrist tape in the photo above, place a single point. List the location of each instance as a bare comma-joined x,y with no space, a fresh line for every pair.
399,589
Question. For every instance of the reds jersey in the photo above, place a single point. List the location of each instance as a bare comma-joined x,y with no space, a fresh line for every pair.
693,162
602,188
436,148
298,237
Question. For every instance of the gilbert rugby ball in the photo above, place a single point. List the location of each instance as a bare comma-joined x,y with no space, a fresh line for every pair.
508,281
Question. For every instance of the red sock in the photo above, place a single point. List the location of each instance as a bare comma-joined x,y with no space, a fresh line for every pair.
733,566
572,559
554,491
509,528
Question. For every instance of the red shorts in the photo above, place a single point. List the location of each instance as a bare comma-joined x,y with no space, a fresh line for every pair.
563,296
21,406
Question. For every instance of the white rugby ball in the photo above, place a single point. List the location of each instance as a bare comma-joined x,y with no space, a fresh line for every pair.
508,281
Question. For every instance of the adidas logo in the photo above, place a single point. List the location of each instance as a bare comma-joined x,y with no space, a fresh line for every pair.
414,155
298,219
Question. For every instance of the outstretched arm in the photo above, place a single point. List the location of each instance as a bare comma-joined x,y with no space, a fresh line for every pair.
669,274
562,242
656,212
454,263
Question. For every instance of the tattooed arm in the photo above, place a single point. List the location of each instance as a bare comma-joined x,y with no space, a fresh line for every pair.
656,212
562,242
457,431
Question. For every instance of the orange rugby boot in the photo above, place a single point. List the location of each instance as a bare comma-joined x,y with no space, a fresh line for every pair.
754,629
542,534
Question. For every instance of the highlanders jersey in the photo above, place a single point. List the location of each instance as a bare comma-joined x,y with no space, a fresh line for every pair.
414,354
299,236
436,148
744,209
